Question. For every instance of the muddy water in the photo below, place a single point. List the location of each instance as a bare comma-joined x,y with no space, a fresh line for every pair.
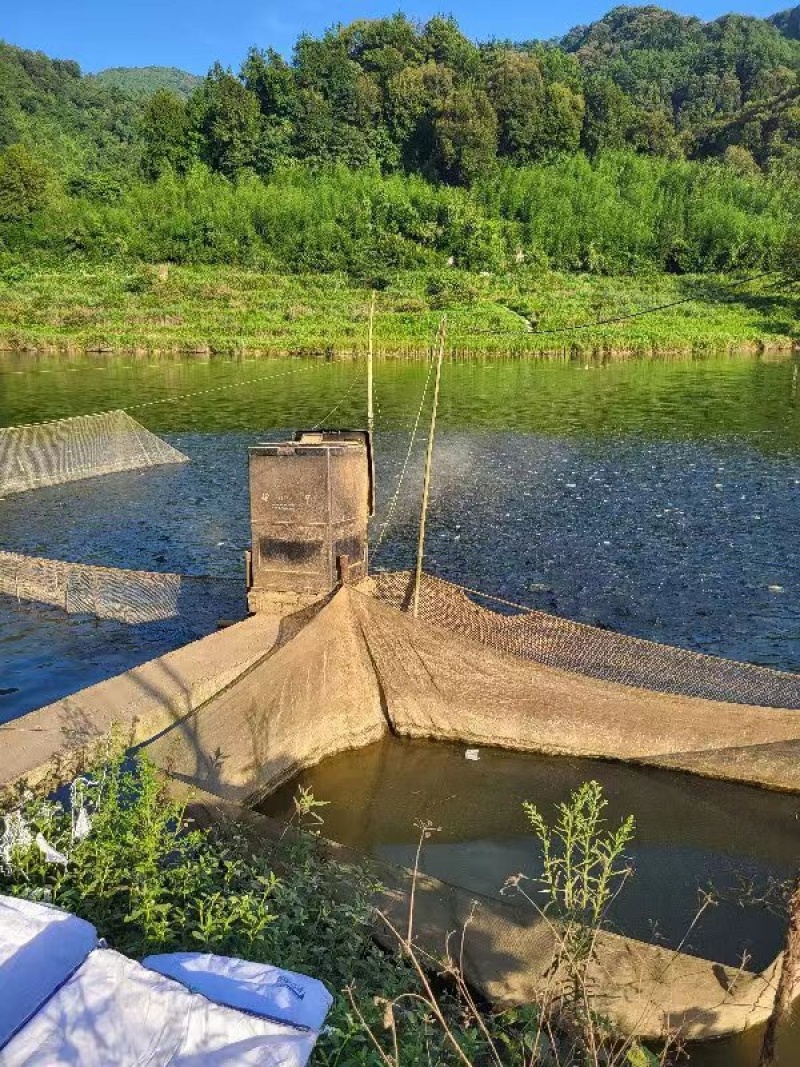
693,839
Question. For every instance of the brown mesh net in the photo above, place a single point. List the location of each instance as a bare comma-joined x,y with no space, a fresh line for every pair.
574,646
133,597
66,450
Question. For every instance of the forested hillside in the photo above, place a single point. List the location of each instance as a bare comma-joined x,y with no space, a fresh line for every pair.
144,81
645,139
72,124
788,23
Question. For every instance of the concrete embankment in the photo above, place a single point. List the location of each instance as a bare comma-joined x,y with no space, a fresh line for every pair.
53,743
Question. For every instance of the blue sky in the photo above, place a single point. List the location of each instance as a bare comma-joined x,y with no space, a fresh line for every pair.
193,33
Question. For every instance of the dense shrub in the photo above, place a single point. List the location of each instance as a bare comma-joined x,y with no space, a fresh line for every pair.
619,213
624,212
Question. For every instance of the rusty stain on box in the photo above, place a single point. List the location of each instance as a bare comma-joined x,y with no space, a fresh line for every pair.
310,502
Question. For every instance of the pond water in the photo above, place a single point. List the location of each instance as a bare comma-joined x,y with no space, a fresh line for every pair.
686,839
693,837
657,498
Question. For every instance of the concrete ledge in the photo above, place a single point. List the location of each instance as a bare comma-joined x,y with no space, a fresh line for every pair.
49,746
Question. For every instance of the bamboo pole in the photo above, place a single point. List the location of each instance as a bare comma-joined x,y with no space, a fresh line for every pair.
370,409
426,484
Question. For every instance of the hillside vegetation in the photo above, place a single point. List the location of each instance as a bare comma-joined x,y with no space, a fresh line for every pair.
645,142
787,23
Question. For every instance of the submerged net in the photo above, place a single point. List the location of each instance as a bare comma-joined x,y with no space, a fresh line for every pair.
66,450
588,650
133,597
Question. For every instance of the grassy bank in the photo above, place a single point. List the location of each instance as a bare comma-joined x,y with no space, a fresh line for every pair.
229,311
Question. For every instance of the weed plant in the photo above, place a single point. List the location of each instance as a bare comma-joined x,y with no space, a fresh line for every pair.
122,855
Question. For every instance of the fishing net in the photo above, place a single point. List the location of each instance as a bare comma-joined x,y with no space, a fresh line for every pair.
66,450
574,646
133,597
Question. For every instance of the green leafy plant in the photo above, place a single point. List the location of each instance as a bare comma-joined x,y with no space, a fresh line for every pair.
146,879
583,870
583,861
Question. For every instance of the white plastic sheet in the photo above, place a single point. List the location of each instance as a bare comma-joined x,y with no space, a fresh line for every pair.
40,947
270,992
115,1013
66,1003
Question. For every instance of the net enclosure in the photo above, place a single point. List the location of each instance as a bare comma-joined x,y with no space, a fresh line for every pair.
67,450
344,673
589,650
134,597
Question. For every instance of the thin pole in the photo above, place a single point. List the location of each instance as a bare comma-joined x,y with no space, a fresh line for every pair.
370,411
428,459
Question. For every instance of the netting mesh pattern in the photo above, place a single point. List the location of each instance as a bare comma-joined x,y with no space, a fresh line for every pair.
66,450
584,649
133,597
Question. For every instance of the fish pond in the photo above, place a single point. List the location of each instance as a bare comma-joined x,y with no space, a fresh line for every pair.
659,498
706,857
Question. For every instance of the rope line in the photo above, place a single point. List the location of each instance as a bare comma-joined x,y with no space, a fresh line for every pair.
359,378
384,526
228,385
489,596
317,364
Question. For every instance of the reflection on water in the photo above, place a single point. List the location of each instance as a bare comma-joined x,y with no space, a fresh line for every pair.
693,837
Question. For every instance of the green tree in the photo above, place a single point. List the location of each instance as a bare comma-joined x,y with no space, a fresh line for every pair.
740,160
340,108
465,137
564,111
383,47
226,119
608,117
653,133
413,97
164,131
25,183
517,91
269,77
444,43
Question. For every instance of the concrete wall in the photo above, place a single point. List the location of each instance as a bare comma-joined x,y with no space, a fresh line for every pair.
49,745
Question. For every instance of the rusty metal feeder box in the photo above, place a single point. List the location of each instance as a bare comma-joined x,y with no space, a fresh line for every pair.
310,503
